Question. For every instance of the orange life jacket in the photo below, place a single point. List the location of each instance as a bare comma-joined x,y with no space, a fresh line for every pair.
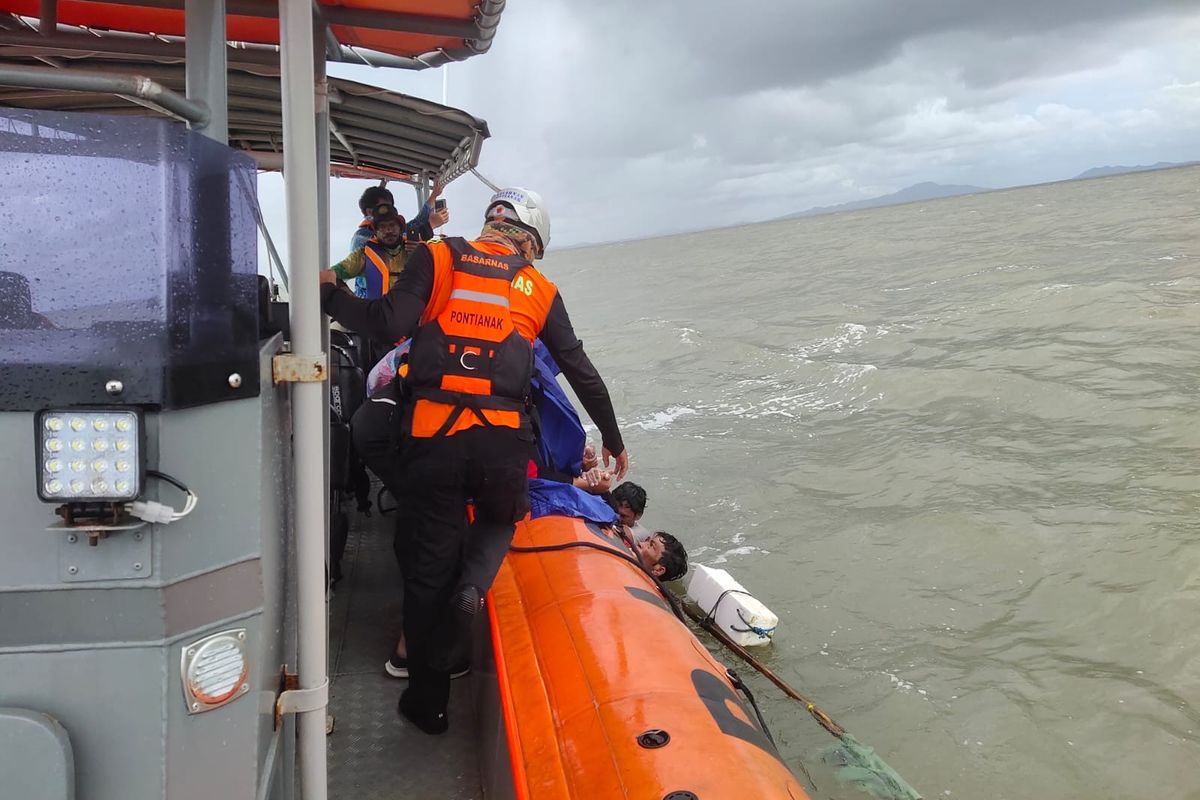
472,356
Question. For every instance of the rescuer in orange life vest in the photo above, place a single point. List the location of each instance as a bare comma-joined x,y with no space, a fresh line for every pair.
473,309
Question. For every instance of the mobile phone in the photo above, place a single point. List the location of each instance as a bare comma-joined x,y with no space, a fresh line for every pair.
439,205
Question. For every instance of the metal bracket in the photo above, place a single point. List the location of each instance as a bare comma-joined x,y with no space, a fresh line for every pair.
294,368
95,532
128,557
295,701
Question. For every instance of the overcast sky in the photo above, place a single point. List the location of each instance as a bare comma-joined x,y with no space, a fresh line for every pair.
642,118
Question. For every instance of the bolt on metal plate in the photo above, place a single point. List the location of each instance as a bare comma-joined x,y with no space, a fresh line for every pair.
118,557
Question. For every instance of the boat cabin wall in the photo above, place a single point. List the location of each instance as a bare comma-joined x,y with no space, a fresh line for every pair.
128,279
93,635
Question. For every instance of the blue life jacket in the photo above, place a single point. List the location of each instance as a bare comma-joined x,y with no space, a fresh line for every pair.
561,437
362,235
551,498
376,273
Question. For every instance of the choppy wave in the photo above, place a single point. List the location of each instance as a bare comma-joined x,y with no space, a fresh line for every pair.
993,398
661,420
850,336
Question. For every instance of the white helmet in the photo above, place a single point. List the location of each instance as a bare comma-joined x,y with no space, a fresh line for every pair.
525,208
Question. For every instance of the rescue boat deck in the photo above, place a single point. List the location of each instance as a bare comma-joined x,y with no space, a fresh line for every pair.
374,754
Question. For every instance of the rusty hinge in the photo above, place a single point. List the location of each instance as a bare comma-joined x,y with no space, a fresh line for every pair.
295,368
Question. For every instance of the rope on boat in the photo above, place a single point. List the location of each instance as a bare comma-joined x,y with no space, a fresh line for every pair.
711,616
858,763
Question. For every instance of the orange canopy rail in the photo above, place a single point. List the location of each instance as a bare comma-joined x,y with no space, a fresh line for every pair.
429,34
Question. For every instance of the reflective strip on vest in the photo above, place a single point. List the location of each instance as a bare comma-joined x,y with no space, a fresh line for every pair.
479,297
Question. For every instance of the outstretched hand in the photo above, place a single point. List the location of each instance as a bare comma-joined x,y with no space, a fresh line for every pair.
594,481
622,465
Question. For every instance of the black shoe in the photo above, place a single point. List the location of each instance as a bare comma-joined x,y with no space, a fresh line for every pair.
433,724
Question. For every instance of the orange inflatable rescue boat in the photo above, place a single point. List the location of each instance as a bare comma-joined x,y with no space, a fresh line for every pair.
603,692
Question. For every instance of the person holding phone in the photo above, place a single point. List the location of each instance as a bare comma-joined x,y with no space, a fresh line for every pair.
432,214
438,217
440,214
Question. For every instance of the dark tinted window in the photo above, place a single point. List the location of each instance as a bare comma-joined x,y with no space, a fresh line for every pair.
127,252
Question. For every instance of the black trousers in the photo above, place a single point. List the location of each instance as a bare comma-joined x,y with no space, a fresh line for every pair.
443,552
373,431
375,439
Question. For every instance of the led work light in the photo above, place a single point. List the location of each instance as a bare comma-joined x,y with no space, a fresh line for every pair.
89,454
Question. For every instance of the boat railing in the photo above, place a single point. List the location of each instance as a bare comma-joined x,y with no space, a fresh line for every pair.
127,86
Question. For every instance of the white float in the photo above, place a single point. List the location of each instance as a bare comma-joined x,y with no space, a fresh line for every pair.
746,620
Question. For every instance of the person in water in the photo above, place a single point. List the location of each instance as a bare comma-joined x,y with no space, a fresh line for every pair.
629,501
667,558
660,553
473,310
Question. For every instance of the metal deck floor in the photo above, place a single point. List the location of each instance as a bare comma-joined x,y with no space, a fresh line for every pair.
374,753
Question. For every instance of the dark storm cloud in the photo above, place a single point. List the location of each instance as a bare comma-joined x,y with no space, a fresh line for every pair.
635,118
646,81
732,48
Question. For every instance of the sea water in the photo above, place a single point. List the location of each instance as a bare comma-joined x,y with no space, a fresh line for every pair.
955,446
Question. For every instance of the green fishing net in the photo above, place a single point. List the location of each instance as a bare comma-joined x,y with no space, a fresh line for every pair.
859,765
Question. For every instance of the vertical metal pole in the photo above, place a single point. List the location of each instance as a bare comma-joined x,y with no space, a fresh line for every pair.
322,124
288,734
48,22
309,415
423,189
206,69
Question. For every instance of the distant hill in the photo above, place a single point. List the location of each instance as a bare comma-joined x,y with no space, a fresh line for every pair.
1104,172
912,194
